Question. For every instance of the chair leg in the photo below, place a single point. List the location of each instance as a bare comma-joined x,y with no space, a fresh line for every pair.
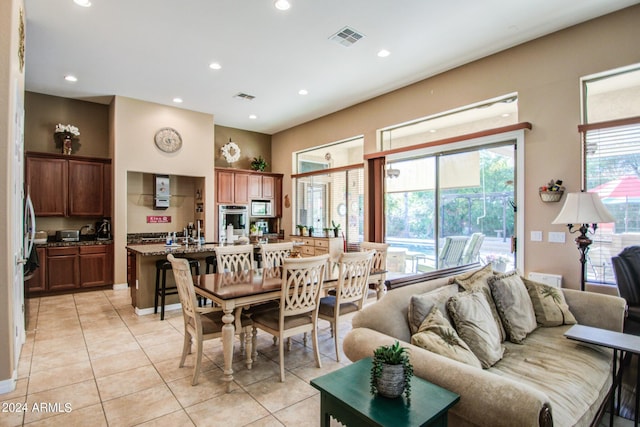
155,295
281,351
316,350
249,346
304,340
254,345
163,295
335,338
288,344
186,348
196,369
275,340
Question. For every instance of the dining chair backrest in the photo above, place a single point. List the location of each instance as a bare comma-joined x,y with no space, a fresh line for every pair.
186,291
379,261
353,280
302,279
472,250
273,254
451,253
234,257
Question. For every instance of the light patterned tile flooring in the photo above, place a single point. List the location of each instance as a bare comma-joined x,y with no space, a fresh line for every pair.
110,367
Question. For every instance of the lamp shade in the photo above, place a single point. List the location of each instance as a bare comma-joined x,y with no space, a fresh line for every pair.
583,208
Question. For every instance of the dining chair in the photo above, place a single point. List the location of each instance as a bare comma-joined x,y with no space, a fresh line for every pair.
200,324
379,262
350,292
274,253
234,258
302,279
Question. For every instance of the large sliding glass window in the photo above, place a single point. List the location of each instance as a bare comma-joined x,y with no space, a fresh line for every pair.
330,190
611,143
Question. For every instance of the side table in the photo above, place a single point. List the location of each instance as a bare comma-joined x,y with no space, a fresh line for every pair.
616,341
345,395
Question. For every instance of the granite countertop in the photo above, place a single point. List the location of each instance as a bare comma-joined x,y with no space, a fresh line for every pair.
161,249
80,243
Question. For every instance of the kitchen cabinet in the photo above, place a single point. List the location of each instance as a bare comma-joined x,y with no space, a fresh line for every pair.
63,268
240,187
233,188
38,280
71,268
68,186
312,246
261,187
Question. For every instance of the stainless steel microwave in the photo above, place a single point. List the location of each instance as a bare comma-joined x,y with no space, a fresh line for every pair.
261,208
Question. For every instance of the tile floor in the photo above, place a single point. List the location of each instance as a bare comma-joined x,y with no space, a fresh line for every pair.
93,362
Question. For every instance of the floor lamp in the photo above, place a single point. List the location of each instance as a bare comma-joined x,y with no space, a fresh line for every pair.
583,210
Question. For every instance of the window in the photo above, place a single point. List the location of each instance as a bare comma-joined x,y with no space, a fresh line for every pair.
611,144
330,189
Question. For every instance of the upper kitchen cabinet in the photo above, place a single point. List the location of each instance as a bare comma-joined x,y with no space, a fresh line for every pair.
232,188
261,187
69,186
240,187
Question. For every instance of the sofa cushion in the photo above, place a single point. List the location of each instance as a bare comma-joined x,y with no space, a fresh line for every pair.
476,325
549,304
420,305
514,305
438,336
575,376
477,280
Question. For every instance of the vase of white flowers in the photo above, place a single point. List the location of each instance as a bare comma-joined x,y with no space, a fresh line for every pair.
65,135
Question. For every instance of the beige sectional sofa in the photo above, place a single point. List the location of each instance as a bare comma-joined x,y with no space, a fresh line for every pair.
547,380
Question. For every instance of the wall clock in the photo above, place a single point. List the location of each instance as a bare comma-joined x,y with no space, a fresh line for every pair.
168,140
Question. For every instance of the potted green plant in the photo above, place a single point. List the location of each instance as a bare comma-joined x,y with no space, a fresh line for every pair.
336,229
259,164
391,371
327,232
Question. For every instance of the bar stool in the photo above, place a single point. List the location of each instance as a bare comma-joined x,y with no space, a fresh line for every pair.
210,261
162,291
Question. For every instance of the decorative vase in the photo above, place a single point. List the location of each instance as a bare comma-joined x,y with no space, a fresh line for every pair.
499,266
391,381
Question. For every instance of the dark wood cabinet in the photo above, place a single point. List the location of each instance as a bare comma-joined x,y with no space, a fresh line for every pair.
46,181
63,186
94,266
233,188
38,280
86,188
240,187
63,269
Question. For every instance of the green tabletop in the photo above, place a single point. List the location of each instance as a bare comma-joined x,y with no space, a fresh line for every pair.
345,395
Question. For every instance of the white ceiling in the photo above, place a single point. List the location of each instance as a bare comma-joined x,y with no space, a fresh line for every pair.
156,50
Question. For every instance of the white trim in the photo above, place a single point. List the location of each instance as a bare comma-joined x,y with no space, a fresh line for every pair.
120,286
9,385
145,311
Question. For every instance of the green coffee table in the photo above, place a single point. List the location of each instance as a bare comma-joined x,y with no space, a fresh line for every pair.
344,394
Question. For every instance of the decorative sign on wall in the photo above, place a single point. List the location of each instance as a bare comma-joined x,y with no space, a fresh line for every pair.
158,219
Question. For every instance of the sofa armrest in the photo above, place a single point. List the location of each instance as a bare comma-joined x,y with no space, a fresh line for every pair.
495,400
597,310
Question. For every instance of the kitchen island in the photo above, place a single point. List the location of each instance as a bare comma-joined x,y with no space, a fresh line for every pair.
141,270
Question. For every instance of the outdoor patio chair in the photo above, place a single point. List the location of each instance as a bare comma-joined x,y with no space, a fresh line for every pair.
450,255
472,250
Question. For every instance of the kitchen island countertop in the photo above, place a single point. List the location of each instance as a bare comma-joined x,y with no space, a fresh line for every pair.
161,249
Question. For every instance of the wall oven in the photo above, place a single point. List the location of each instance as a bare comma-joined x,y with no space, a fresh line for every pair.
235,215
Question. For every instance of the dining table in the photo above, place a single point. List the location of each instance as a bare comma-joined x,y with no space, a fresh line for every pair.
233,291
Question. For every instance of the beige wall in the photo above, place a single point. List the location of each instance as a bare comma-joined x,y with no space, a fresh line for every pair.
44,112
252,144
546,75
11,102
133,125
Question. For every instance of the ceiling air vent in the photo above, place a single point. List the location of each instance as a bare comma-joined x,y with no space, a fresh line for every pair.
346,37
243,96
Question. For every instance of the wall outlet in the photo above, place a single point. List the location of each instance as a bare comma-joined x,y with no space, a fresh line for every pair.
536,236
557,236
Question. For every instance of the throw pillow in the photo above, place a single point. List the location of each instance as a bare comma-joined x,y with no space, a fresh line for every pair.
438,336
514,305
477,280
475,324
549,304
421,305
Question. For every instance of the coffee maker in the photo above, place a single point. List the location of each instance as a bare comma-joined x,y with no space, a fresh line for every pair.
103,229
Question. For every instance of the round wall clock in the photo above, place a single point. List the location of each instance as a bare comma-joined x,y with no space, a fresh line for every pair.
168,140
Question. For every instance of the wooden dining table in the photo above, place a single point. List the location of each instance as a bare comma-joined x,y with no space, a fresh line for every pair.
234,290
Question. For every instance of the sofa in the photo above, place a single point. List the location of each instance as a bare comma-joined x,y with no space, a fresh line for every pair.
545,379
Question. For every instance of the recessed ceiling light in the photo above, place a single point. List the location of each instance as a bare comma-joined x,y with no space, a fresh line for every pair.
383,53
433,130
282,4
506,115
83,3
253,116
303,92
215,66
70,78
177,100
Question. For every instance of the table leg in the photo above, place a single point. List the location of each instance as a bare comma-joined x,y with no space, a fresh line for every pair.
228,332
613,387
